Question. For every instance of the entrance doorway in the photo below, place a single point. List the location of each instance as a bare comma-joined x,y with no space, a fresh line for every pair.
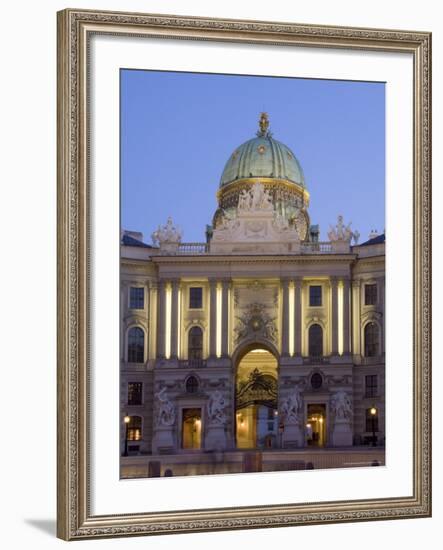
191,428
316,425
256,401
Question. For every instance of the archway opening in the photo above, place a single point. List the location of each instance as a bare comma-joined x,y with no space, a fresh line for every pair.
257,400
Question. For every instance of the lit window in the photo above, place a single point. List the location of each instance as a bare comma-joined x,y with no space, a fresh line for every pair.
371,340
315,295
134,428
315,341
136,345
135,393
195,344
136,297
370,295
371,388
196,297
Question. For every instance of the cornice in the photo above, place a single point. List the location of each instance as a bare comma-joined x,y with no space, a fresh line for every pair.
254,258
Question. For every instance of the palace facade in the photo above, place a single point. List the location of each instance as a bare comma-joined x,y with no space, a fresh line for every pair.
262,337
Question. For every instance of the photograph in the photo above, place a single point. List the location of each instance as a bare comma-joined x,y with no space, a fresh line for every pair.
252,274
225,305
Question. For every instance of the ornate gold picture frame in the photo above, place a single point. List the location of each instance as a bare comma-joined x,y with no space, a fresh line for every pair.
75,517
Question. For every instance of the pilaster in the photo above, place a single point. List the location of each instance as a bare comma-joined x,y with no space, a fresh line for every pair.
334,315
285,318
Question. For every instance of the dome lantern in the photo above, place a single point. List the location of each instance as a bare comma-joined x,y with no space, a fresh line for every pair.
263,124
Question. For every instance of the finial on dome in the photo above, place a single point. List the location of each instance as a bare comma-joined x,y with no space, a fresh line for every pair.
263,124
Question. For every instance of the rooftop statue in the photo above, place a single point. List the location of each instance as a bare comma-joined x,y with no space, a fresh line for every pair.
340,232
167,234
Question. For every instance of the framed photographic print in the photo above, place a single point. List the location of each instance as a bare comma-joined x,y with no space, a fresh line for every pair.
244,274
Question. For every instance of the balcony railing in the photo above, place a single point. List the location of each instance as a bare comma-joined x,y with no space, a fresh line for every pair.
192,363
193,248
316,248
372,360
316,360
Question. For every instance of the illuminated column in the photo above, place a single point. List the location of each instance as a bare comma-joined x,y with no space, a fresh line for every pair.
212,317
152,305
334,303
297,316
346,284
174,319
285,318
356,306
225,317
161,319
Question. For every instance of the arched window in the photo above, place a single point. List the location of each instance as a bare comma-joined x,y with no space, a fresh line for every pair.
315,341
195,344
135,428
192,385
136,345
371,340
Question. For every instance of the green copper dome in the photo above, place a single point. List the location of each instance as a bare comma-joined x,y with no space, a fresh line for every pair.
263,157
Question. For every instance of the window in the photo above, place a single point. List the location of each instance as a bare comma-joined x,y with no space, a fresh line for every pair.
371,421
315,295
196,297
316,381
134,432
135,392
195,344
136,297
136,345
192,385
371,340
371,388
370,295
315,341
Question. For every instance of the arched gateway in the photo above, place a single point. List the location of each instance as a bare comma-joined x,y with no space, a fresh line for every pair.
256,398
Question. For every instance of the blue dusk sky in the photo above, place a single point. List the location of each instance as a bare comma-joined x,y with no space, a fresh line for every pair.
179,129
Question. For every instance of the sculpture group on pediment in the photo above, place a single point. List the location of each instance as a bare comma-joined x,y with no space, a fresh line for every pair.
255,199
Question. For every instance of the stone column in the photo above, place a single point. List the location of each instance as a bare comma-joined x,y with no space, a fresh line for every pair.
297,316
174,318
161,319
124,289
226,284
381,309
285,319
356,316
152,305
334,316
346,285
212,318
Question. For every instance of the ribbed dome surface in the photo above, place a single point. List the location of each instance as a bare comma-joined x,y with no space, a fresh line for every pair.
262,156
